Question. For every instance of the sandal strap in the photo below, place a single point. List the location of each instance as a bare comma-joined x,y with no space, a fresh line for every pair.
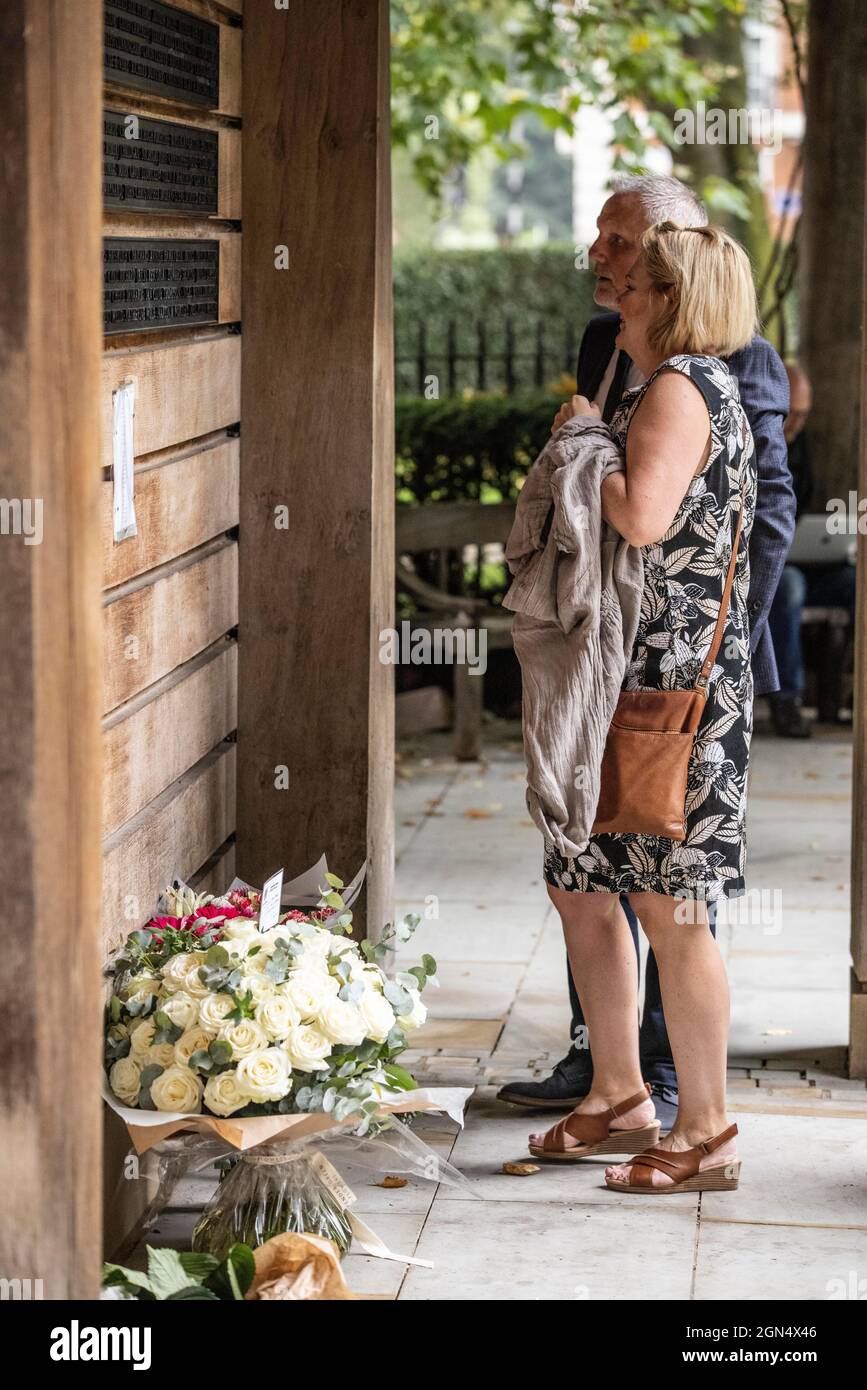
589,1129
678,1164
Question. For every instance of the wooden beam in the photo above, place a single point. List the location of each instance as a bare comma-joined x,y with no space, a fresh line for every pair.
51,336
858,1013
317,439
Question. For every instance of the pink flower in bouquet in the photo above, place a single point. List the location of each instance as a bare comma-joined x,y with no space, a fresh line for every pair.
208,913
247,906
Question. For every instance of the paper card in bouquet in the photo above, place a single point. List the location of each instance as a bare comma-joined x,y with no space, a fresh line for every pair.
269,907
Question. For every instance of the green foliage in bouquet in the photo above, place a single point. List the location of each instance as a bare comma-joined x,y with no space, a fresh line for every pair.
174,1275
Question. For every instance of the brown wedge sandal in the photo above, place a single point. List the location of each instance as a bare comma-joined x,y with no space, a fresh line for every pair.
595,1134
683,1167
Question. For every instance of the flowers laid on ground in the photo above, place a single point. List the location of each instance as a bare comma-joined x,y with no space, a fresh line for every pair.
289,1267
209,1015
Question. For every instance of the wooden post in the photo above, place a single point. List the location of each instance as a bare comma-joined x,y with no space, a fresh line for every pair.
50,342
858,1013
315,719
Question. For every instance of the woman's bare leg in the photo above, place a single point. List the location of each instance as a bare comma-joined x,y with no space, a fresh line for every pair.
695,996
602,960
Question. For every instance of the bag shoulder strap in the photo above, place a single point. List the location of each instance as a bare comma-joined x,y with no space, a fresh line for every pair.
709,660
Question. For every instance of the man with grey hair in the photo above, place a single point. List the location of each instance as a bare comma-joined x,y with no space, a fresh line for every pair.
604,374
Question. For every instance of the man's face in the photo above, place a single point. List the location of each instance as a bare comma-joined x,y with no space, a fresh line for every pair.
621,224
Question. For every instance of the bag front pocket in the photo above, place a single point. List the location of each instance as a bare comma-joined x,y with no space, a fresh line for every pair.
643,783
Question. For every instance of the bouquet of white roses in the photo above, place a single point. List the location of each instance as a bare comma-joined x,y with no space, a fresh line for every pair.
209,1015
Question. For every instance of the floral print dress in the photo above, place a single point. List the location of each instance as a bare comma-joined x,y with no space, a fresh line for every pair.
684,575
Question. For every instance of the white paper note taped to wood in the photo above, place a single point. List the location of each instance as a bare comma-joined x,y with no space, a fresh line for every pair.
123,468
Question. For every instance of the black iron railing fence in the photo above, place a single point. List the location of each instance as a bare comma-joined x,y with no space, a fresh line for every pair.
509,356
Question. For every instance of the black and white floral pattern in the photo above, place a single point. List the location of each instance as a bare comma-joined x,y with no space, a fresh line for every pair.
684,574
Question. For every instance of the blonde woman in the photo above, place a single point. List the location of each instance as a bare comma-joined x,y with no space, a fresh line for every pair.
690,467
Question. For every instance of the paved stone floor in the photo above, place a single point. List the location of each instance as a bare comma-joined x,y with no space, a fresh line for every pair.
796,1228
799,1219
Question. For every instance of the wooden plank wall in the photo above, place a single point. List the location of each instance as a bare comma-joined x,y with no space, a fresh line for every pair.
170,594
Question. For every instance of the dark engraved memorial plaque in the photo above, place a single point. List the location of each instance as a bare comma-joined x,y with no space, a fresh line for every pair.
158,166
158,283
157,48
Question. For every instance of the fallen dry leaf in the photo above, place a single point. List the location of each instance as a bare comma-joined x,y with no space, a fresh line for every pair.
390,1180
520,1170
476,813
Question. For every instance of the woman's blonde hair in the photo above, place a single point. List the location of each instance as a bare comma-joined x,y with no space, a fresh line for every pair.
706,275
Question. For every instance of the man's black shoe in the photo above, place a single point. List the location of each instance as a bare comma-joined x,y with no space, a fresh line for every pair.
788,718
664,1098
568,1083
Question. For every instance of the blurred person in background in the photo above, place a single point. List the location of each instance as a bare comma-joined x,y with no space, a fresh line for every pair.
832,586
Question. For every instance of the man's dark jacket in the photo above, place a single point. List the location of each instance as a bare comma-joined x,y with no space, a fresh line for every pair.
764,392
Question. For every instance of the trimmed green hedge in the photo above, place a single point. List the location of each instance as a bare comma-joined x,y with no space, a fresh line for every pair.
469,448
466,287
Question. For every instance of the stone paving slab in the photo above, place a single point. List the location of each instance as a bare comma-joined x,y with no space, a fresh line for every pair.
761,1262
538,1251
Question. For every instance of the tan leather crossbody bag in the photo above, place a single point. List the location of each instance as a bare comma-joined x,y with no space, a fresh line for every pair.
647,751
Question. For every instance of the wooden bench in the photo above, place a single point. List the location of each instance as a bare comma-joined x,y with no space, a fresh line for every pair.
830,665
438,528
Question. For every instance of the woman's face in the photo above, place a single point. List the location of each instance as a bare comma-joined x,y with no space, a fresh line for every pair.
640,306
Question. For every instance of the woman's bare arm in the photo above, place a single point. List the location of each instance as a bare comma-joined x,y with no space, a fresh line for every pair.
667,444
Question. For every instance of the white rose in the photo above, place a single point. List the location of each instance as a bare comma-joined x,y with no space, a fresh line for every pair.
307,1048
260,987
177,1088
277,1015
244,1037
124,1080
318,943
141,1036
192,1041
174,971
181,1008
214,1009
342,1022
309,991
242,932
163,1054
223,1095
417,1014
377,1013
265,1075
144,985
267,941
193,982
